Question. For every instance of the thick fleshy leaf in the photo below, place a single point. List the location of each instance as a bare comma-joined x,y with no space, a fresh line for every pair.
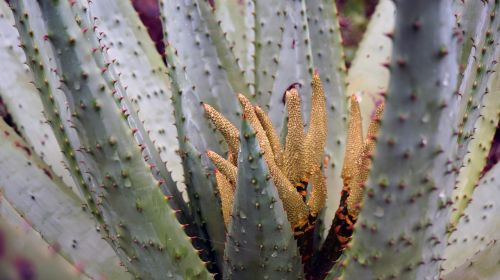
135,213
23,252
22,99
52,209
476,233
234,23
476,72
367,77
142,72
483,106
191,30
266,20
260,242
204,202
471,20
295,64
401,229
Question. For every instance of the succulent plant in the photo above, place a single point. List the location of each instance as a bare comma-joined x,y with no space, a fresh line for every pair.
248,150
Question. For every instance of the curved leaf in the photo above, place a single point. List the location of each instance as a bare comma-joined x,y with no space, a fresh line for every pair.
52,209
476,232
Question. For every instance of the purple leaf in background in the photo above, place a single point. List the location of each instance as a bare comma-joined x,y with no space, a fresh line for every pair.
149,12
24,268
494,155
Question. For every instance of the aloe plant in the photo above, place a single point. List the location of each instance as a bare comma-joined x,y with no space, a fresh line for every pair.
248,150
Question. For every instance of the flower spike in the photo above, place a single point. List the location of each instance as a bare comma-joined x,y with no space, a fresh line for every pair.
290,167
354,144
249,114
314,144
318,196
295,208
226,192
227,129
271,134
294,167
356,187
224,166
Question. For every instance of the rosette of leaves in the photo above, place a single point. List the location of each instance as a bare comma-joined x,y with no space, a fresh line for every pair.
242,153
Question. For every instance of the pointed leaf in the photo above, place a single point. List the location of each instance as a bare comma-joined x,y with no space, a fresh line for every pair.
260,242
367,77
477,230
24,250
478,148
476,73
234,23
143,73
22,99
191,30
138,219
203,199
401,230
52,209
295,63
266,20
483,266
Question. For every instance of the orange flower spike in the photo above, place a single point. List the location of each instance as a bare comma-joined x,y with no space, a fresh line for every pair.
226,192
314,144
227,129
317,200
354,144
296,210
251,116
271,134
357,187
294,168
293,204
224,166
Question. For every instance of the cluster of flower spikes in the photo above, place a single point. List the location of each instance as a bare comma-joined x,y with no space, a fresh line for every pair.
298,163
291,167
356,168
